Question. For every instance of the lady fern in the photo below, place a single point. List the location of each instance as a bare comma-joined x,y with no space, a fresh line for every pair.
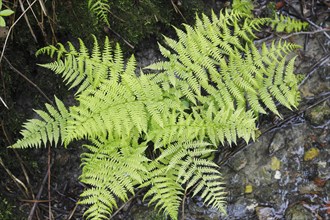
101,9
49,129
208,92
212,58
287,24
112,168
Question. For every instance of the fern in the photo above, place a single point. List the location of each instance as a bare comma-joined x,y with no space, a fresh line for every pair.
112,168
101,9
286,24
81,69
165,190
50,128
244,6
209,91
180,164
204,125
278,23
222,63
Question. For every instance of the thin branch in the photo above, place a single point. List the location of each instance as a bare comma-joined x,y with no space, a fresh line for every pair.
17,181
121,207
305,32
307,20
108,30
3,102
28,22
30,217
12,26
177,10
315,67
43,7
318,27
183,204
27,79
73,211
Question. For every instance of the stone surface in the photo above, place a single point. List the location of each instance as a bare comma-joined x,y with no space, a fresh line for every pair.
238,162
277,143
265,213
298,212
320,114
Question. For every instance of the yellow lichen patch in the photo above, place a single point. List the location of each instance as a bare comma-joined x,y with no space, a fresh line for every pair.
248,188
311,154
275,163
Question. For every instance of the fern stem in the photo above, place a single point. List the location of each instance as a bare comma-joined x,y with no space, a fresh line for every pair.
306,32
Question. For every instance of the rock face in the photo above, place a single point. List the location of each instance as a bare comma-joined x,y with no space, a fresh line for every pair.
283,180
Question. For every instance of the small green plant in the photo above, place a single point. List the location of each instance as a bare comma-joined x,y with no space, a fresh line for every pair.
4,13
6,209
158,131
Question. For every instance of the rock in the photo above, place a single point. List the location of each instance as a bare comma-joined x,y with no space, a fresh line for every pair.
298,212
316,84
248,189
238,162
277,175
275,163
3,32
311,154
319,182
319,115
265,213
143,213
277,143
242,209
309,188
323,169
195,210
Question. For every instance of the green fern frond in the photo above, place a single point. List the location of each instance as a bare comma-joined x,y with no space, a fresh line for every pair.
211,125
112,169
49,129
244,6
227,66
182,162
81,68
119,109
287,24
101,9
165,191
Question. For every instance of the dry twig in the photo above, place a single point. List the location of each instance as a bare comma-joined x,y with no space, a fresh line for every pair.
27,79
11,28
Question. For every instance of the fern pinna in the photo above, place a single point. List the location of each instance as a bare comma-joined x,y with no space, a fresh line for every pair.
209,91
100,9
